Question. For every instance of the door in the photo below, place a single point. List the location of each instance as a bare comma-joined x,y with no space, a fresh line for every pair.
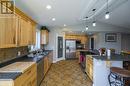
92,43
60,47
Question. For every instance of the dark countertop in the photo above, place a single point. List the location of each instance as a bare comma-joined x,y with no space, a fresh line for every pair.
14,75
36,59
113,57
9,76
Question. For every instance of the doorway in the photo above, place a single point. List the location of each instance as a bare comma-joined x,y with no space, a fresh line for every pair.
92,43
60,47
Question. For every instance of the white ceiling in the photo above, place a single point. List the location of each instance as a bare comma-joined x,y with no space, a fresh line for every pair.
70,12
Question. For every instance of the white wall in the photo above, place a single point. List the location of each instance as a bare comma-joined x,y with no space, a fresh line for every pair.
54,32
100,42
100,38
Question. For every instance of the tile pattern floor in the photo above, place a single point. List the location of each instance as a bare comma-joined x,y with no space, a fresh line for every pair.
66,73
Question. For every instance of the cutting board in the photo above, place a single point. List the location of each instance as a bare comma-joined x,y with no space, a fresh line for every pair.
17,67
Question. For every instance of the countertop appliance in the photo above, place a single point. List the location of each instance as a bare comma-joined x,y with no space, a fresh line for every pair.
70,49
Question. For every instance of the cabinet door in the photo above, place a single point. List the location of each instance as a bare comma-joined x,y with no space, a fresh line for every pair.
44,37
8,32
45,65
23,31
33,33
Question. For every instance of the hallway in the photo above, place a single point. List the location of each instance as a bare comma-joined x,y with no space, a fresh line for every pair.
66,73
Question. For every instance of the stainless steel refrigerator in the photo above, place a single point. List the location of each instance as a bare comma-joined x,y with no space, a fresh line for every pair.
70,49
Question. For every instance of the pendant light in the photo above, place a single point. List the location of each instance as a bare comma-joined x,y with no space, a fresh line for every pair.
86,23
107,15
94,20
94,23
86,28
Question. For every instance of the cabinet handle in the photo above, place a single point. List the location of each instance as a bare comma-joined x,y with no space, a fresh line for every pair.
28,72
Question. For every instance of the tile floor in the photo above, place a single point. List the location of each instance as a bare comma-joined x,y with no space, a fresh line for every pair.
66,73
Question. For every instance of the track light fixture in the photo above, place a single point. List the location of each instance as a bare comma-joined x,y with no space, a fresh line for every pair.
86,27
107,15
94,20
94,23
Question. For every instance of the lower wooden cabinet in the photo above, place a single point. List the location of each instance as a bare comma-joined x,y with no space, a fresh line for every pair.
28,78
47,62
89,67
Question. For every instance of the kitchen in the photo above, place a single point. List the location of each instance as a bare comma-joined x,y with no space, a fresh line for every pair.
42,46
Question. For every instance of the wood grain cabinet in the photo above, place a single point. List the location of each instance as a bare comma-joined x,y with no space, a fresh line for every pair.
47,62
44,37
8,32
26,32
89,67
17,30
23,32
28,78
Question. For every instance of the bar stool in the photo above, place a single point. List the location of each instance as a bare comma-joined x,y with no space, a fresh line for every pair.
117,76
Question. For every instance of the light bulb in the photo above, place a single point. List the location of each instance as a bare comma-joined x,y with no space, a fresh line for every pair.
53,19
48,7
86,27
107,16
94,23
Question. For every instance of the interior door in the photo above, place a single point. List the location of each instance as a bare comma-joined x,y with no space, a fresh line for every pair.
60,47
92,43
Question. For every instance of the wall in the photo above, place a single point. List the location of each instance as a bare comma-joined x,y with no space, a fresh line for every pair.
11,53
125,43
100,38
54,32
100,42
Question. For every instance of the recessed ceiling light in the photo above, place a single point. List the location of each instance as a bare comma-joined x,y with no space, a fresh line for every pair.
53,19
48,7
64,25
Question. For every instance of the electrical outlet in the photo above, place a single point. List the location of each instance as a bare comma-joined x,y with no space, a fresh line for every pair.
19,53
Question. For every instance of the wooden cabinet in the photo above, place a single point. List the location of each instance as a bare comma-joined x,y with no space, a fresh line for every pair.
89,67
82,38
44,37
50,58
47,62
23,32
8,32
16,30
28,78
26,32
45,65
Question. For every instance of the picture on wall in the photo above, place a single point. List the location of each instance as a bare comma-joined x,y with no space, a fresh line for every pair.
110,37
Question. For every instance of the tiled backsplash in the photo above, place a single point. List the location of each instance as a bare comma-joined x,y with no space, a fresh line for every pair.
11,53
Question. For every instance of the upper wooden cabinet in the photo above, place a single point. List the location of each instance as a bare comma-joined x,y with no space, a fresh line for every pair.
8,32
18,30
82,38
27,31
23,32
44,36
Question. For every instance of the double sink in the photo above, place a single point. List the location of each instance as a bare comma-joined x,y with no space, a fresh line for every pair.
38,56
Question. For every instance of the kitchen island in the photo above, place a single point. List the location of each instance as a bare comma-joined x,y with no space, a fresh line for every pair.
98,67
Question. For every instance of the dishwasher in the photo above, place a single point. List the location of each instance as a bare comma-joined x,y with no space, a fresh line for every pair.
40,71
